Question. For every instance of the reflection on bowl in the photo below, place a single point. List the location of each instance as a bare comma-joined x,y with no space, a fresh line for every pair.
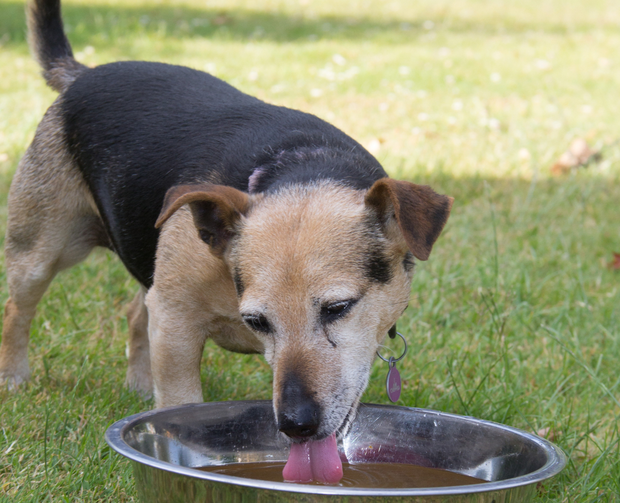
167,445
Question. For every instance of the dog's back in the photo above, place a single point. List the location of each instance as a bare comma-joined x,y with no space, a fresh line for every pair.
135,129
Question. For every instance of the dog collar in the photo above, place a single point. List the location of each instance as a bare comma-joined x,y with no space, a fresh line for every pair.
393,382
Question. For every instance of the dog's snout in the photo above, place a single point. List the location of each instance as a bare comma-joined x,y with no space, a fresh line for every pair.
299,415
301,421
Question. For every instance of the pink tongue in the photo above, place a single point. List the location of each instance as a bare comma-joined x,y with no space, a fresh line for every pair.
318,461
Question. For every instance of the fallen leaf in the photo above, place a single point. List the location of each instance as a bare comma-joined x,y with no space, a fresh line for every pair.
578,154
614,265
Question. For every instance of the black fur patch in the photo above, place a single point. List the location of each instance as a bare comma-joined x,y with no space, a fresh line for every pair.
303,164
378,267
408,262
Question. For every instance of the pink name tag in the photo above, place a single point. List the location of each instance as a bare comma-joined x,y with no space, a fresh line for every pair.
392,384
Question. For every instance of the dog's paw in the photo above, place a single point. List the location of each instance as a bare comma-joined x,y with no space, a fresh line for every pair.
13,380
140,382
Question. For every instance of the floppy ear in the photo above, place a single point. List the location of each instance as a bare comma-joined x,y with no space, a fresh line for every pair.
420,212
216,210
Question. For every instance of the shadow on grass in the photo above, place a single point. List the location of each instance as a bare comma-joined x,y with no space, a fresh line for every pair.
182,22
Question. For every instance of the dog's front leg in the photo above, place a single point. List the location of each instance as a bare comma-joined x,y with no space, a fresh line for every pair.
139,371
176,343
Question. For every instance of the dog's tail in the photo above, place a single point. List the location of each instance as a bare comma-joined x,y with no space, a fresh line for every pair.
50,46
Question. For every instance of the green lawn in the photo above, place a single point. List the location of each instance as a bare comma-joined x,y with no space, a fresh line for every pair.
516,316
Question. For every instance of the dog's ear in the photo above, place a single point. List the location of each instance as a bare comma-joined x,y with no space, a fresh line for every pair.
216,210
420,212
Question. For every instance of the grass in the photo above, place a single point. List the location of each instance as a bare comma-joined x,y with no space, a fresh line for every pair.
516,316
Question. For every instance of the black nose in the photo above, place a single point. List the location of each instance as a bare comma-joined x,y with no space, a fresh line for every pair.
302,421
299,415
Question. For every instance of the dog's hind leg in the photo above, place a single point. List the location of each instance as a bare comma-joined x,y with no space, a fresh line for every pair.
52,225
139,371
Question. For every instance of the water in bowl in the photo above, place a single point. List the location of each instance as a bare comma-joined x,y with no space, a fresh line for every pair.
367,475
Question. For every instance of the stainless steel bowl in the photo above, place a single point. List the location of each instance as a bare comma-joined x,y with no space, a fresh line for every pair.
165,444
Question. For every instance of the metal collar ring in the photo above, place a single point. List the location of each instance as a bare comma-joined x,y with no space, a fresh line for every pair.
391,360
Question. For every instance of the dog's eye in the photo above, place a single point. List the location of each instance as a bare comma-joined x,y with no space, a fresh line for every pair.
257,322
337,310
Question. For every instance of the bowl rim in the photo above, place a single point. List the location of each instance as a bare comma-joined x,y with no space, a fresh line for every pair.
556,461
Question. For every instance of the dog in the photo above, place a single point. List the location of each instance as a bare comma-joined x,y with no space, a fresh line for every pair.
263,228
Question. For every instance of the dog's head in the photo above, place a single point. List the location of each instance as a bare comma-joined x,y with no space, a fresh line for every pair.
322,271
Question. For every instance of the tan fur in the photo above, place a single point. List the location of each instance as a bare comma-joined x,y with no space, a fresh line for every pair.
53,224
46,232
139,371
192,298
